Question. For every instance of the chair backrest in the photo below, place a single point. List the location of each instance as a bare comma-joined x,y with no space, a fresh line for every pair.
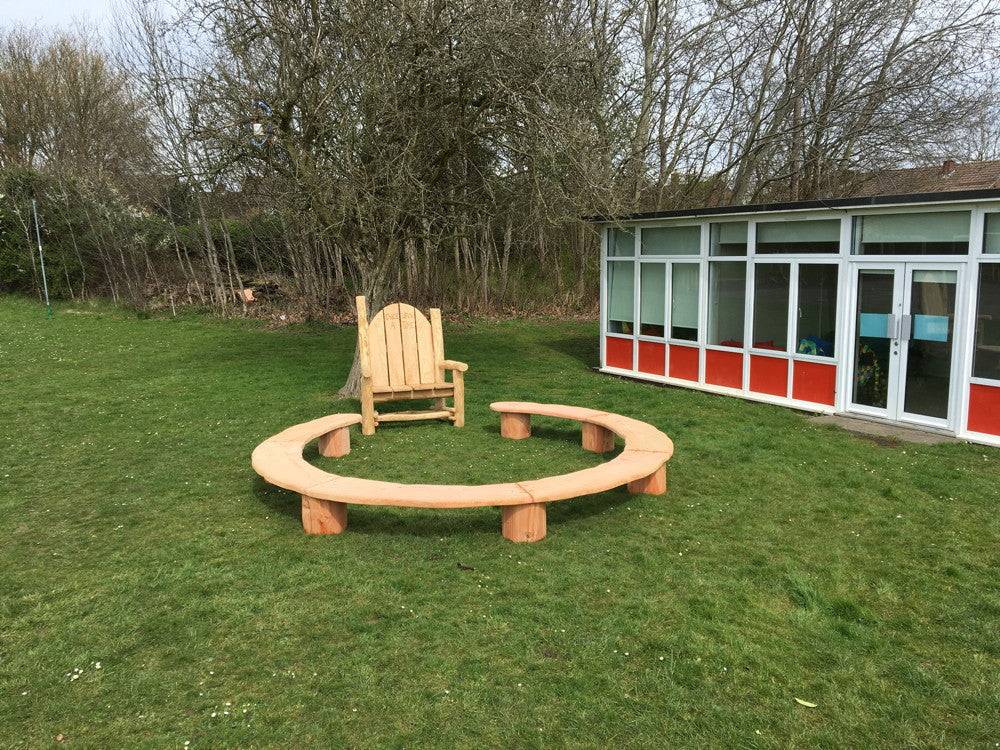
404,348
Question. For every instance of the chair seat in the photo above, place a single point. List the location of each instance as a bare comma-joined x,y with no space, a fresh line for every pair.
401,389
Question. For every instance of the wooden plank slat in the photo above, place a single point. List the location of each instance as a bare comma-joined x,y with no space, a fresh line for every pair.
408,334
376,351
425,350
418,388
394,345
412,416
437,337
411,394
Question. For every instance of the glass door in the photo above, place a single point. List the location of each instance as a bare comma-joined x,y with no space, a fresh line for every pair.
876,340
904,333
927,338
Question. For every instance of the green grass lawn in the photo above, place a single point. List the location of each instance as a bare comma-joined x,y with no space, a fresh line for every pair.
787,561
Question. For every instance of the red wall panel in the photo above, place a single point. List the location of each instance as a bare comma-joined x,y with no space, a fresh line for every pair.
652,357
769,375
618,353
984,409
815,382
724,368
684,362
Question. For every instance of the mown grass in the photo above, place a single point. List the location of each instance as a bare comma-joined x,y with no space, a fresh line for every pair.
787,561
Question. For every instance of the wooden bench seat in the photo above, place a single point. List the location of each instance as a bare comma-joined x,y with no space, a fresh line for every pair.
641,466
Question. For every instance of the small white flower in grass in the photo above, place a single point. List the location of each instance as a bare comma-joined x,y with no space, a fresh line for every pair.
447,692
661,658
97,665
214,714
24,692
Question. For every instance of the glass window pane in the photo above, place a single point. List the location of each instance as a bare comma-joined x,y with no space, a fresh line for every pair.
620,296
986,362
819,236
940,233
991,239
652,298
621,242
770,306
727,289
684,240
728,238
684,301
817,313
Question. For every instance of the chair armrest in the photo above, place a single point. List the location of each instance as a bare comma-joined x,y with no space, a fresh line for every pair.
450,364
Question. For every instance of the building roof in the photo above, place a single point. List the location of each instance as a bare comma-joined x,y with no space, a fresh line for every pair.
979,180
828,203
948,177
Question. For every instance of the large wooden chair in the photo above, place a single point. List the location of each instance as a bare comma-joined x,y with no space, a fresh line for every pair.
402,358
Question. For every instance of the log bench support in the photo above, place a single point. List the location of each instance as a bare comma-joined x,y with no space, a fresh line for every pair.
323,516
335,443
515,426
597,439
523,523
654,484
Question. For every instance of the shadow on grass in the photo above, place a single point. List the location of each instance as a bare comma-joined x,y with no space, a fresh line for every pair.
562,433
581,347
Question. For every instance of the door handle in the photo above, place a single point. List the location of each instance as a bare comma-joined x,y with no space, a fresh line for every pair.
906,328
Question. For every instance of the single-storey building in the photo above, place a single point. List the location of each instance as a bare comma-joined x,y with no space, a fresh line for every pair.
880,306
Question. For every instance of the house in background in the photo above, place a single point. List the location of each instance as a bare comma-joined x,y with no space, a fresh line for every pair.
884,305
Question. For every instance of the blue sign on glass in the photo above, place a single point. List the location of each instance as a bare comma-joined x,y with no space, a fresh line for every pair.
875,325
930,327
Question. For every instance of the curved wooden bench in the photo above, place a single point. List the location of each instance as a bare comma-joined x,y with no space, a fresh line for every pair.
641,466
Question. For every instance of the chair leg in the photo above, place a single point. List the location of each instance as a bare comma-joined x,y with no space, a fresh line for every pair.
367,407
654,484
323,516
459,398
523,523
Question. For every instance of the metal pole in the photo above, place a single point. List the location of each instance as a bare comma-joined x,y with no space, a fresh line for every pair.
41,256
